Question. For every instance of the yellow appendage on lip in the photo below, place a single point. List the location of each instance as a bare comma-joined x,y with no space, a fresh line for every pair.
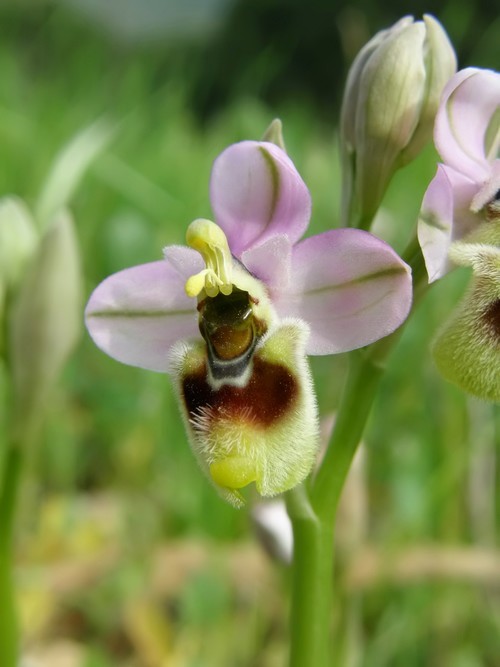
233,472
210,241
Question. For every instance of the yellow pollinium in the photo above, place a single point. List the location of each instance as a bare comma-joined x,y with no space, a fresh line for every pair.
233,472
210,241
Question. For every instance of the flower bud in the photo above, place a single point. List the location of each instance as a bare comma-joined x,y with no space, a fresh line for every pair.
45,321
467,350
274,134
391,98
274,529
18,239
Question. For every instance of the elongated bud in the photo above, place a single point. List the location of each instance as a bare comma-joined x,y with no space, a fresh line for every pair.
18,240
274,134
467,350
274,528
46,321
391,98
440,64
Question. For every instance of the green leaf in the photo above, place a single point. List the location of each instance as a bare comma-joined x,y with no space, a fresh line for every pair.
69,168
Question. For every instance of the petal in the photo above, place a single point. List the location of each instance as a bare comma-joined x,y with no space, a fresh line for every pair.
350,287
444,217
469,101
136,315
256,192
185,261
489,191
270,262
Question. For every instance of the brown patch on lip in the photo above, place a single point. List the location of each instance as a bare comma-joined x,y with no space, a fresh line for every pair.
491,317
268,396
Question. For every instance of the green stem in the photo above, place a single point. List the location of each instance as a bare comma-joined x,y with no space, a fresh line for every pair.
365,372
312,585
355,406
313,515
9,636
313,521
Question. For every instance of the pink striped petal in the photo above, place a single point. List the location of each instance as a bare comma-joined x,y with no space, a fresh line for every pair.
444,217
184,260
256,193
350,287
469,101
270,262
136,315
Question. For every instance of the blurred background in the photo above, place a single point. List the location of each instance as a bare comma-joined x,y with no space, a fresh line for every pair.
126,556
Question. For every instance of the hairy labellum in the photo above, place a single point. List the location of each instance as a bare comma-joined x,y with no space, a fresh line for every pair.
263,429
245,390
467,349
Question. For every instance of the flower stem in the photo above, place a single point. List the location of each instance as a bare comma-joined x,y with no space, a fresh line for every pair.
313,521
355,406
312,584
313,514
9,637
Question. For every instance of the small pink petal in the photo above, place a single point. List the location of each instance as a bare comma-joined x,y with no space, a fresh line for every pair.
270,262
184,260
350,287
444,217
469,101
489,190
136,315
256,193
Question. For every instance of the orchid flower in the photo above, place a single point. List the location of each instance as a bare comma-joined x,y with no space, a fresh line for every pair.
463,198
232,317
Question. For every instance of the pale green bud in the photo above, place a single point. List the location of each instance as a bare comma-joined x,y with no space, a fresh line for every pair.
467,350
440,65
274,134
391,98
45,321
18,240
